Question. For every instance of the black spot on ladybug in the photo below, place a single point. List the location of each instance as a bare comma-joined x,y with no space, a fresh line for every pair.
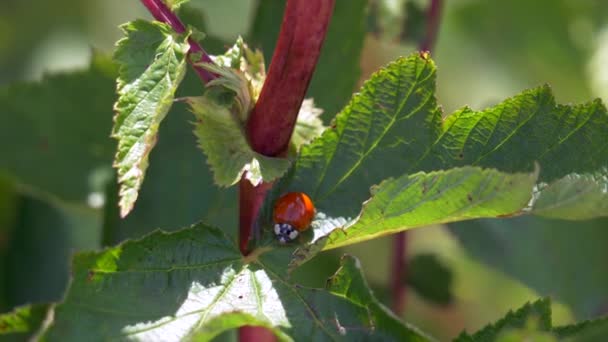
470,198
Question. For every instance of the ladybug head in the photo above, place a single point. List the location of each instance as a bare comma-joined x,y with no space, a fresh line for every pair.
285,232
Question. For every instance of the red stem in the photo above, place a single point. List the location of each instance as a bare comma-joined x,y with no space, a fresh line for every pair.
251,199
399,264
162,13
273,118
399,272
302,33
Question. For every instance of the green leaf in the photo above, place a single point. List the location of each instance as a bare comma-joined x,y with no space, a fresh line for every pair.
337,71
531,248
194,283
48,125
539,312
430,278
393,128
220,134
437,197
152,59
423,199
23,322
592,330
378,135
350,283
179,190
527,128
221,114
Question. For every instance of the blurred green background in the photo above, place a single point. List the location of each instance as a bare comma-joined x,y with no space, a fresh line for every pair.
486,51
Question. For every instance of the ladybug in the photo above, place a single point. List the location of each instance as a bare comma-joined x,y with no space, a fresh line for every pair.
292,214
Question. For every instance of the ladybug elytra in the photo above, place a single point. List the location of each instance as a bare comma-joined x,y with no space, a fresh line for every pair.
292,214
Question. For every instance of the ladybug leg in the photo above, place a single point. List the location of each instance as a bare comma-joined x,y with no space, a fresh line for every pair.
285,232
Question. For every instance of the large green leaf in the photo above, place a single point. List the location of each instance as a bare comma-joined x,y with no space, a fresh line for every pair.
195,283
378,135
59,125
553,257
152,59
393,128
337,71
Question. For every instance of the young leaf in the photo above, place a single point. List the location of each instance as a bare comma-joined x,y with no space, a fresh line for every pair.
221,113
194,284
220,134
175,4
23,322
42,128
178,172
152,59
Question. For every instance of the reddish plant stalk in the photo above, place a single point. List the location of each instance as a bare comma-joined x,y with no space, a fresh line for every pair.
162,13
399,272
251,199
273,118
399,264
302,33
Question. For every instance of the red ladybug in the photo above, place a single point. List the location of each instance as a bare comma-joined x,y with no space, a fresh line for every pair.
292,214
